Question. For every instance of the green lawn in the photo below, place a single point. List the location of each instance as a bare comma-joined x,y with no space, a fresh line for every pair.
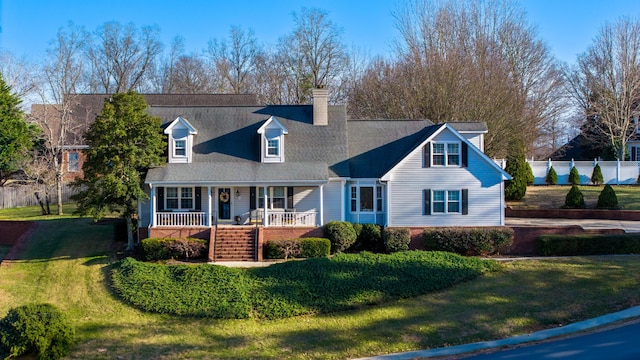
552,197
68,260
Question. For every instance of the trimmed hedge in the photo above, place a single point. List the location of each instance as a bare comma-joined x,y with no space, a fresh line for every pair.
556,245
607,198
552,177
596,175
36,328
574,199
302,248
468,241
396,239
341,234
172,248
574,176
319,285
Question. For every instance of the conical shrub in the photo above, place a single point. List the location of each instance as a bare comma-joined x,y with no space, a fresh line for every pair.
574,199
552,177
574,176
596,176
607,198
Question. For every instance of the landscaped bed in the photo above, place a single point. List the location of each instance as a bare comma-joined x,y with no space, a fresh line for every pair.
321,285
553,197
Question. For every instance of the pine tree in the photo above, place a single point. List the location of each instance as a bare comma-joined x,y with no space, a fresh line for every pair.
516,188
552,177
124,142
574,199
596,176
574,176
607,198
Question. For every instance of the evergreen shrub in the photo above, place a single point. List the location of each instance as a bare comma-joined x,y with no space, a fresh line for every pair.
370,238
607,198
516,188
468,241
530,178
341,234
574,199
596,176
552,177
574,176
39,329
298,248
396,239
173,248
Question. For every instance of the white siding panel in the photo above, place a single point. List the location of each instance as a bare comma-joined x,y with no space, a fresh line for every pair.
240,204
333,201
306,198
409,179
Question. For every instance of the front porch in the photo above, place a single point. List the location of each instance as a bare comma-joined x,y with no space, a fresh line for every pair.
184,205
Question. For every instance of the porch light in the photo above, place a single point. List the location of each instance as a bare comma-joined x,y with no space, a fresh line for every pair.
238,193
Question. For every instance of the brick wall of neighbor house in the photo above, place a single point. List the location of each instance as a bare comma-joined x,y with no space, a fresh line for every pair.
72,175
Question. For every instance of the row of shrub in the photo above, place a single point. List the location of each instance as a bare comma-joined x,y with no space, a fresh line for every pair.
365,237
317,285
36,329
469,241
606,200
173,248
574,176
297,248
566,245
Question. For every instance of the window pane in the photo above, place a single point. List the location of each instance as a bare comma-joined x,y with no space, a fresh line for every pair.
186,203
379,198
180,148
438,207
438,196
278,203
73,161
438,159
366,199
438,148
278,191
438,201
172,203
172,192
453,204
187,192
272,147
453,148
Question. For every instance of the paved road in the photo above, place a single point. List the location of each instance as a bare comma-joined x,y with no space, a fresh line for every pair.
617,343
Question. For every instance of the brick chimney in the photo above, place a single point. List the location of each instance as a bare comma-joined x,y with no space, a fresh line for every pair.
320,107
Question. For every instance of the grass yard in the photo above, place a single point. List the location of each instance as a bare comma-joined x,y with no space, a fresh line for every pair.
67,263
552,197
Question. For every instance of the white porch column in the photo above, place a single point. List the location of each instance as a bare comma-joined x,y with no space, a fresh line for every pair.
265,220
387,203
321,217
209,215
343,214
153,206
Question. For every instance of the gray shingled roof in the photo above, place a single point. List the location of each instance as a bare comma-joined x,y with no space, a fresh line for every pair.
227,143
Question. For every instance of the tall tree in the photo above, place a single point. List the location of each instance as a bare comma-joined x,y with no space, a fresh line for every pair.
122,56
61,80
16,136
235,59
460,60
605,83
124,142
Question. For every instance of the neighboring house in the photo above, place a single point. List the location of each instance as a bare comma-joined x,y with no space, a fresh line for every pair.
305,165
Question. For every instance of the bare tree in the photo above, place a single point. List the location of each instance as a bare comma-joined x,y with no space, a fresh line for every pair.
460,60
20,74
606,81
235,58
61,79
121,56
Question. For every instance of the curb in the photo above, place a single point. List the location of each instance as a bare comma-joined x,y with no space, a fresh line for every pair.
516,340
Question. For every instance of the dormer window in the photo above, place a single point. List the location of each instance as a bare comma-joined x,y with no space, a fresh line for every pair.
180,148
273,147
272,141
180,134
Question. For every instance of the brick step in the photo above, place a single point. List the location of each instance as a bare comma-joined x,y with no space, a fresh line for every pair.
235,243
234,259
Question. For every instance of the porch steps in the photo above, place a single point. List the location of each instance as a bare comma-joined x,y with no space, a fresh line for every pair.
235,244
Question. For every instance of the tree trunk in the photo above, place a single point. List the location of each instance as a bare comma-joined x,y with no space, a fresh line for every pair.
130,243
59,191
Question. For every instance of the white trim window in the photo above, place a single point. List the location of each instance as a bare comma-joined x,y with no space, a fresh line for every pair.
280,197
445,154
273,147
366,199
180,148
446,202
177,198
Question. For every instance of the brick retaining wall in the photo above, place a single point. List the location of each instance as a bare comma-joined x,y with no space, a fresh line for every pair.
633,215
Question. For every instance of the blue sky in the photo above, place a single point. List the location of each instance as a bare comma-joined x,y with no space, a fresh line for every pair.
27,26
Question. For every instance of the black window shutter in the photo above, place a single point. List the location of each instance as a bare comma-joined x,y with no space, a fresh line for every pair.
465,154
290,197
634,156
426,197
252,198
465,201
198,199
426,151
160,198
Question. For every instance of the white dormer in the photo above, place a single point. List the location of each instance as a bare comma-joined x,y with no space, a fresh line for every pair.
180,134
272,141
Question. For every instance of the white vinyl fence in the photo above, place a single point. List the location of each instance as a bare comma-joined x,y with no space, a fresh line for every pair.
613,172
24,195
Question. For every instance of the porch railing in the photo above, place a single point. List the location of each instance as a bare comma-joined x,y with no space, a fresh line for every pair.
285,218
181,219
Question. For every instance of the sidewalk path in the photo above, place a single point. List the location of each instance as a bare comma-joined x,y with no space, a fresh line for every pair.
587,224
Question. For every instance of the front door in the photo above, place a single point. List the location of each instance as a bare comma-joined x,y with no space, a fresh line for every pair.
224,203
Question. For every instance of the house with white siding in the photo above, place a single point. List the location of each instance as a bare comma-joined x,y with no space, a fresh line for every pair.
297,167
